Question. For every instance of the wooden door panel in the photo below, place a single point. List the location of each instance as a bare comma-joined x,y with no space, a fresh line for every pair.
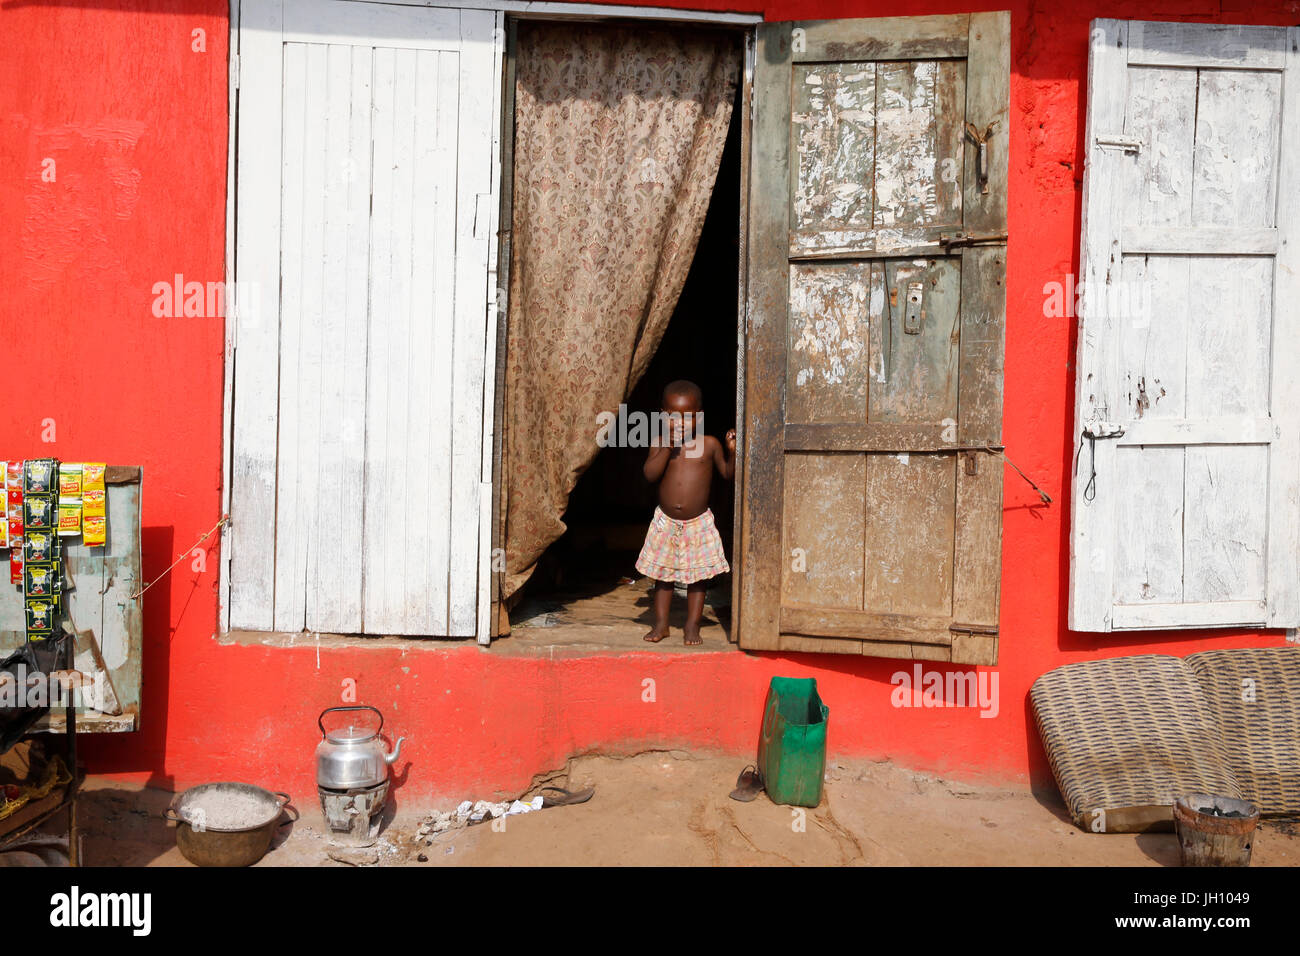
834,131
824,531
830,357
915,338
919,143
909,504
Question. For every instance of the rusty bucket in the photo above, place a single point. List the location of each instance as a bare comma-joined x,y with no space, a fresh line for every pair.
1215,831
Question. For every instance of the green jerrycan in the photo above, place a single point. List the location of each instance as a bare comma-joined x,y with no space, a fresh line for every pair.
792,750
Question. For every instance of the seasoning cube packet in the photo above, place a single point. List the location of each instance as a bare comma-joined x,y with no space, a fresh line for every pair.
69,480
69,516
40,546
92,502
92,477
94,529
40,618
38,510
40,476
42,580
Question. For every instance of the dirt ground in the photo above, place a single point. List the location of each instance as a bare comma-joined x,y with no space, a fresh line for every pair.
672,808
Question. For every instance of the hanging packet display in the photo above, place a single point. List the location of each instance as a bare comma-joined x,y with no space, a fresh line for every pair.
94,523
13,481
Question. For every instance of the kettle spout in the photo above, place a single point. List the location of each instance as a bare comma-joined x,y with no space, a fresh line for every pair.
397,749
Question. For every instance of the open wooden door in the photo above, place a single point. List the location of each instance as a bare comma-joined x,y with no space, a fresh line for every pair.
875,314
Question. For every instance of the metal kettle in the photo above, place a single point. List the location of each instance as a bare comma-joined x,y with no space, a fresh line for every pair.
352,757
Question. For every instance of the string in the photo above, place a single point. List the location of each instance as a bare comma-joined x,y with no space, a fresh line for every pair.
184,554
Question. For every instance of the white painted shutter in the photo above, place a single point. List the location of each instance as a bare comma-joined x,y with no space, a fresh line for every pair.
1187,513
365,152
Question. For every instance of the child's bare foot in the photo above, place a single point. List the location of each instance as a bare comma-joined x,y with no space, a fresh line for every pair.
656,634
691,634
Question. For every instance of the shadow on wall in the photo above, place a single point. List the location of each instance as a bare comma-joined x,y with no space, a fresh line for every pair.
144,750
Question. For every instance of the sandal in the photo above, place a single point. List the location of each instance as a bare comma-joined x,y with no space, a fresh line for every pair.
566,798
748,785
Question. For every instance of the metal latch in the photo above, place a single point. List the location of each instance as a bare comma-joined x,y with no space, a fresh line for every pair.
972,629
912,315
1129,144
1100,429
981,141
950,239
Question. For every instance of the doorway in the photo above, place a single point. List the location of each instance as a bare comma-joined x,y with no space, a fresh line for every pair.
585,589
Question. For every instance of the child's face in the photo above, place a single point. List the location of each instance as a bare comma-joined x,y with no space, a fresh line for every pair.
684,413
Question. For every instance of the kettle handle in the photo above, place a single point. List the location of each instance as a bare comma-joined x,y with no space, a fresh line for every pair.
320,721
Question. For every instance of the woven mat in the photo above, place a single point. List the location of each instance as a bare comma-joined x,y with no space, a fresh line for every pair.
1126,736
1254,695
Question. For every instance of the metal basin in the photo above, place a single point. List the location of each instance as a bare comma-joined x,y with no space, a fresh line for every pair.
225,824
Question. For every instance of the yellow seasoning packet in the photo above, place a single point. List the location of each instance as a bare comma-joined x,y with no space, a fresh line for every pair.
69,516
92,477
92,502
94,529
69,480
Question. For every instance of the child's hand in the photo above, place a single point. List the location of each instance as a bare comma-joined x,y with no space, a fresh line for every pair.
731,441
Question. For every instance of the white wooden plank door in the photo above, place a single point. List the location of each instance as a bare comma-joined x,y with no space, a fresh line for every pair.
367,181
1186,498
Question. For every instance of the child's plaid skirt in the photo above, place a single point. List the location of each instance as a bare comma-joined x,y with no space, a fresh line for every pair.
682,551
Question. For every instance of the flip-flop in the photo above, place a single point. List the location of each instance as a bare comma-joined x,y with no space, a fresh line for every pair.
748,785
566,798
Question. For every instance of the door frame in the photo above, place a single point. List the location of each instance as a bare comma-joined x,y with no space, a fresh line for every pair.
491,612
494,391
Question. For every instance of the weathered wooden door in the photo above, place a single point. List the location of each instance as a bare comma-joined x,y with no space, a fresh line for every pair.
871,512
1186,502
366,206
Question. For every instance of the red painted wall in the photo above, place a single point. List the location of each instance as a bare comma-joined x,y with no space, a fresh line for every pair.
136,122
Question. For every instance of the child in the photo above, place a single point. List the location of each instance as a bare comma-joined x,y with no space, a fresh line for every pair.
683,544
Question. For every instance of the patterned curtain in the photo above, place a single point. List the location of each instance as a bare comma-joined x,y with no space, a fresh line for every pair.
618,136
